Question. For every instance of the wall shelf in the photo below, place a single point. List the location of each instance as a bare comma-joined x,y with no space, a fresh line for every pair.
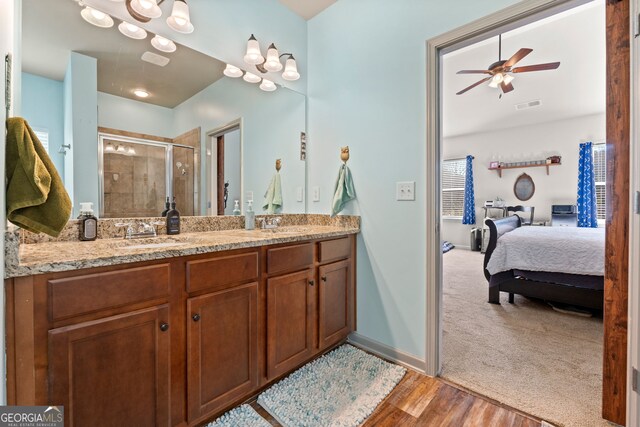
500,169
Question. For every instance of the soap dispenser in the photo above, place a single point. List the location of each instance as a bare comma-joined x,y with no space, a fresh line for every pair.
173,219
88,222
236,207
249,217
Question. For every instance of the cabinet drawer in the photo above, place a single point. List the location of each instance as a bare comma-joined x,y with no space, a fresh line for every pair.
289,258
90,293
332,250
222,272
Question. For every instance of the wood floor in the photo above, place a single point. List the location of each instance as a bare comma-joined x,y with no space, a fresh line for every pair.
424,401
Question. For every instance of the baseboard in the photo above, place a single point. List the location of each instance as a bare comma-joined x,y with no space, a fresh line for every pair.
463,247
386,352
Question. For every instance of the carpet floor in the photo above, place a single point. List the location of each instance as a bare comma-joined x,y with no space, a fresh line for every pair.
525,355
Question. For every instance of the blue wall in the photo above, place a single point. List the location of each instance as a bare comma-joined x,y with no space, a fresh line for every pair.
367,89
116,112
43,108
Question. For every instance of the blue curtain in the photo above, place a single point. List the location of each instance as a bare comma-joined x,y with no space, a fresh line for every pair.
469,215
587,211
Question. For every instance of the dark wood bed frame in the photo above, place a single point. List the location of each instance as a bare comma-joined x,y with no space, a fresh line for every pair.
548,291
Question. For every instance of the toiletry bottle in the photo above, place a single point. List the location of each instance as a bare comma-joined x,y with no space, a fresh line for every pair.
236,207
88,222
249,217
173,219
167,206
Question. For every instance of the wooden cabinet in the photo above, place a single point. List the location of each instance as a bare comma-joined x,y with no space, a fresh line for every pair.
113,371
178,341
222,348
290,303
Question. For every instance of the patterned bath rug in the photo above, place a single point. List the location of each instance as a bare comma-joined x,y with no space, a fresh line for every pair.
340,389
244,416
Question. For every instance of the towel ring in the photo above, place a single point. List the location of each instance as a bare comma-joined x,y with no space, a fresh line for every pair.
278,164
344,154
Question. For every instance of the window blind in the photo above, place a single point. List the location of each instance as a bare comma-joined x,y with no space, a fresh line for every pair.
453,177
43,136
600,172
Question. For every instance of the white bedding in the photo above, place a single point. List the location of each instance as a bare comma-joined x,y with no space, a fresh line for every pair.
570,250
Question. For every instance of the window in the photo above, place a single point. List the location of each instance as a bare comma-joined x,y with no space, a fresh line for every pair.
43,136
453,177
600,172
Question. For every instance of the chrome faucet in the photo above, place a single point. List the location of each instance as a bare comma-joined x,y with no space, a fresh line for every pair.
270,223
140,229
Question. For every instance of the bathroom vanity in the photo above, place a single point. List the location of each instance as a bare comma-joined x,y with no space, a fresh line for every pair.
181,334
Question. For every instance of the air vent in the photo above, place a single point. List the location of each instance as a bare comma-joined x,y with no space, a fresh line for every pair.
529,104
155,59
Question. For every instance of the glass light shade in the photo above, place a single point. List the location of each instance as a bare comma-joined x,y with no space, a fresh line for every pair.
251,78
132,31
163,44
179,20
121,149
253,55
268,85
291,70
508,78
97,18
273,59
232,71
131,151
148,8
109,148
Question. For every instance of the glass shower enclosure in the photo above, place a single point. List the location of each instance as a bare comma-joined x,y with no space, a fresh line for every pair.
136,176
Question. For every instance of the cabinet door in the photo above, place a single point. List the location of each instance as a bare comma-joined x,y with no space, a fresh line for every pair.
289,321
222,340
335,303
113,371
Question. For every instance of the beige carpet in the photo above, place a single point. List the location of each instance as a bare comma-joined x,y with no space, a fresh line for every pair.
525,355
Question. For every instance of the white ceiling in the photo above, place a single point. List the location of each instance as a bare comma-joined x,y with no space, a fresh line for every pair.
307,9
576,38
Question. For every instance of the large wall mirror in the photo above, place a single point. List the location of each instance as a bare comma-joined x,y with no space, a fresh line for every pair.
129,125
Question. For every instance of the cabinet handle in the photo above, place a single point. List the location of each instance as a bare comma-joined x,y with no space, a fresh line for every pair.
324,278
195,317
311,283
164,327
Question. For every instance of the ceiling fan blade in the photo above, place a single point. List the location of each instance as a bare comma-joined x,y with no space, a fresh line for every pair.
517,57
537,67
473,85
474,72
506,88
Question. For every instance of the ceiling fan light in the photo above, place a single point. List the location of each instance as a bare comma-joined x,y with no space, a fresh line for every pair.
163,44
253,56
291,69
96,17
232,71
508,78
267,85
132,31
179,20
273,59
251,78
497,78
147,8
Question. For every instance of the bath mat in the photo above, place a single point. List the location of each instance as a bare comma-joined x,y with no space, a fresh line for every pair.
243,415
340,389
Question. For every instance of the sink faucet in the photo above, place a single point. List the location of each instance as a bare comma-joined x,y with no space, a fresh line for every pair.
270,223
139,230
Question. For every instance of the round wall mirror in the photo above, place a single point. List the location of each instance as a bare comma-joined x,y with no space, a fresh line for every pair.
524,187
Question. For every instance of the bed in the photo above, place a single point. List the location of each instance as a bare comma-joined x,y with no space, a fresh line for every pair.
556,264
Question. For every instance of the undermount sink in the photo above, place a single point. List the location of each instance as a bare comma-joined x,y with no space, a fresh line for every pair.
154,245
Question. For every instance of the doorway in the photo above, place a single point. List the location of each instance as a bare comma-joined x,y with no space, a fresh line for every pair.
614,387
224,171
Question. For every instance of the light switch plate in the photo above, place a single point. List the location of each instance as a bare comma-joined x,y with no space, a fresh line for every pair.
406,190
249,195
316,194
300,194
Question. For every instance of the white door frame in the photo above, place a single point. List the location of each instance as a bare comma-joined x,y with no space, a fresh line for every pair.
212,166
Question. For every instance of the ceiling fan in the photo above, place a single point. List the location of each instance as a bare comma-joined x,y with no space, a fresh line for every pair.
500,72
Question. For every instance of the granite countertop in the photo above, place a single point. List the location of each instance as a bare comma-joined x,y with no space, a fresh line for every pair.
49,257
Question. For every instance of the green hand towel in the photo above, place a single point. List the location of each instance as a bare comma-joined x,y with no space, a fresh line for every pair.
36,198
273,196
344,191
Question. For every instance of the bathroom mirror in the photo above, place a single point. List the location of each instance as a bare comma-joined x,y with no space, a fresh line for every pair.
524,188
180,129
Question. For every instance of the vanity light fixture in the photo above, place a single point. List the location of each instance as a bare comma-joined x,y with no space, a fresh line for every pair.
179,20
109,148
232,71
141,93
253,56
272,63
147,8
273,59
121,149
267,85
131,151
96,17
163,44
132,31
251,78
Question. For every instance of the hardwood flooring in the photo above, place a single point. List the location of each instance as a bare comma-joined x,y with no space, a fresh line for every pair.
419,400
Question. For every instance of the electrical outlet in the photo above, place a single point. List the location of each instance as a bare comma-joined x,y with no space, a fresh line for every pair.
316,194
406,190
300,194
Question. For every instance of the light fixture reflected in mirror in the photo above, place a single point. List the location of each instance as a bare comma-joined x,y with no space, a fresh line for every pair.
131,151
291,70
109,148
232,71
251,78
272,63
267,85
132,31
147,8
179,20
97,18
141,93
163,44
121,149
